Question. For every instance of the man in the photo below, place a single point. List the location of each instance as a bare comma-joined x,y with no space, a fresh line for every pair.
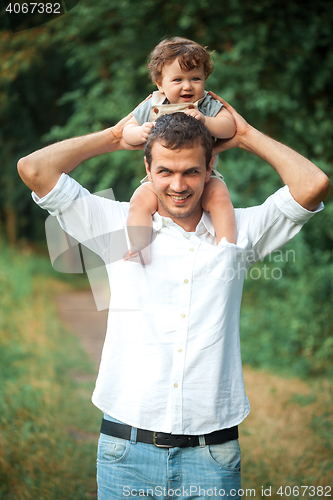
170,383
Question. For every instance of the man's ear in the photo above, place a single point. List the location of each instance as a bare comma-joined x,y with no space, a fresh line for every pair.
148,170
209,169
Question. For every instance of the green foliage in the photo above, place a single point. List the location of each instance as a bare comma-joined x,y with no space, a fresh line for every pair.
39,457
87,69
273,62
286,319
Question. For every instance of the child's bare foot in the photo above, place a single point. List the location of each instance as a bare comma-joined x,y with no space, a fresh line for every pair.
140,239
141,256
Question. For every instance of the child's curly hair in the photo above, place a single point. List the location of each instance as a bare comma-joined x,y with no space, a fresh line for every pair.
190,55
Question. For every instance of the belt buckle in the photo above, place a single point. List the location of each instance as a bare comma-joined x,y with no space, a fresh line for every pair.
159,445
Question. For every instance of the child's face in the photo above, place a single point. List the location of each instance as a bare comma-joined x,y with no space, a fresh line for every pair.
182,86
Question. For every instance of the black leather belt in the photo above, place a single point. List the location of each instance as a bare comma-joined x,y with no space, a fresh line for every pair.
163,440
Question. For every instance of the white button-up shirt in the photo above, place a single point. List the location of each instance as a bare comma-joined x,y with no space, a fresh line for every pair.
171,360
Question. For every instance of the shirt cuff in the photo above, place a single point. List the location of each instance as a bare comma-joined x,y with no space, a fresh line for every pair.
289,207
60,197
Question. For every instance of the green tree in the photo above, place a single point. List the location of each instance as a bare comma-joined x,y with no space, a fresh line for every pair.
273,62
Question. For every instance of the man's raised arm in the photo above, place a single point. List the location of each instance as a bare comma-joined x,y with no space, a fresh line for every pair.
41,170
307,183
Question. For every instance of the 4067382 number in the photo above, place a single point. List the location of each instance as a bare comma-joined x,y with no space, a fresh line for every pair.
33,8
301,491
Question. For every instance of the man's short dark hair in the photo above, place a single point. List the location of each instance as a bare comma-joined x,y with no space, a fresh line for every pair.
179,131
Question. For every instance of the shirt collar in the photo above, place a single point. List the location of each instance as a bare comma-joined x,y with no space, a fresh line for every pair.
205,223
159,98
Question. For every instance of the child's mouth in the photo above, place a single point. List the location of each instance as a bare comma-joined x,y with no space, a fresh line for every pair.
186,97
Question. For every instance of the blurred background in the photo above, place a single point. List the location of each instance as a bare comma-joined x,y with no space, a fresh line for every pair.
84,71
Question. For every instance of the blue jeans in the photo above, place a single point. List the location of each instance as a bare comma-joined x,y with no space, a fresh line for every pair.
130,469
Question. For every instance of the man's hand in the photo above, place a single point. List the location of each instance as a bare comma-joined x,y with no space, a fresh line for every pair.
242,128
307,183
118,129
41,170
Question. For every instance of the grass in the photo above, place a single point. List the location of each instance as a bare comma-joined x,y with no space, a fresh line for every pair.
47,422
287,440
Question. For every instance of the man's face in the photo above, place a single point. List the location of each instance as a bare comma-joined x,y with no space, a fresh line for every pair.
179,178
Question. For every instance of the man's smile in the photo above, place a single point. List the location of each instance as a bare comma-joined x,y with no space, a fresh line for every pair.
179,199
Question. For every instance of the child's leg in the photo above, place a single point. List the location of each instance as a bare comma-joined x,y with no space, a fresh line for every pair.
143,205
216,200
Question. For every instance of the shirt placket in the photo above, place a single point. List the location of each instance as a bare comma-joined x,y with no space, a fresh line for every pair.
183,324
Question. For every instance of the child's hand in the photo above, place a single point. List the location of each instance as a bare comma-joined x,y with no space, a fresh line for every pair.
145,129
196,114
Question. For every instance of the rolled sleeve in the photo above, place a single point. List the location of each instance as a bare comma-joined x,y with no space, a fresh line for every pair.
210,106
61,196
142,113
267,227
292,210
88,218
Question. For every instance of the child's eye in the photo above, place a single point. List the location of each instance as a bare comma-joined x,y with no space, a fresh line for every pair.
177,80
196,79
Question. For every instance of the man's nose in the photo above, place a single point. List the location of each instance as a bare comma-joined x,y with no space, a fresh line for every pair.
178,184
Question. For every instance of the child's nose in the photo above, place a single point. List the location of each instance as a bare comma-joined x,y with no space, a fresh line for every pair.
187,84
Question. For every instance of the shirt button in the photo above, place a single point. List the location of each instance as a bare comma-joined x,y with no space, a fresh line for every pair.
175,385
180,350
191,249
183,315
156,110
185,235
185,281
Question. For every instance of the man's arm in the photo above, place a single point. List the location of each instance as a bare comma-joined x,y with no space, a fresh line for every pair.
307,183
41,170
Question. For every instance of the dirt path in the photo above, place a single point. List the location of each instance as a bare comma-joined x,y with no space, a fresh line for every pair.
78,312
277,434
